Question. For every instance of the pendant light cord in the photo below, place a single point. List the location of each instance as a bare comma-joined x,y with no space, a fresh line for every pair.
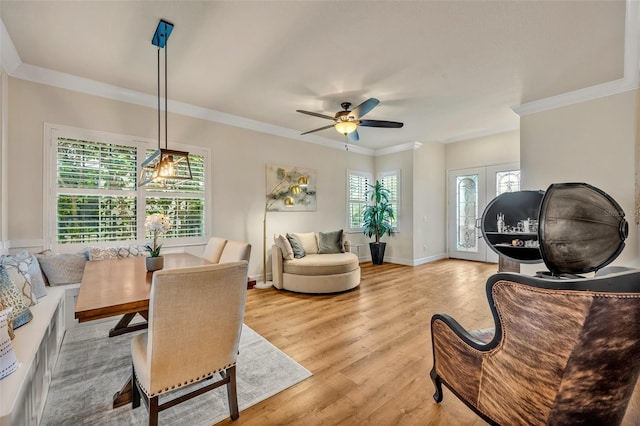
159,98
166,95
165,98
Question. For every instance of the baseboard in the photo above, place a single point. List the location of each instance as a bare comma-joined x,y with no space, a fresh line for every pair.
429,259
407,262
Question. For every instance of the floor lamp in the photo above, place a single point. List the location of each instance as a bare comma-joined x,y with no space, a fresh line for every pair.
285,190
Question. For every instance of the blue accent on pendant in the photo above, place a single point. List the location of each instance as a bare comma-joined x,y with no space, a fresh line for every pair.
162,33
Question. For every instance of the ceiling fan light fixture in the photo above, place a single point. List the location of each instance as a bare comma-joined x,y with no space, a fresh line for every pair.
346,127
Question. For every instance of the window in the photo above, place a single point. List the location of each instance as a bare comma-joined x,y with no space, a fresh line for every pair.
357,185
94,196
467,199
391,181
507,181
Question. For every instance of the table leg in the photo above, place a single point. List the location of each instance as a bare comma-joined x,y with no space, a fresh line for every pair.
123,326
124,395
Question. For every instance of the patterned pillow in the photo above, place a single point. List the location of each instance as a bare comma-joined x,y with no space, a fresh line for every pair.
128,251
18,267
97,253
11,297
8,361
9,324
63,268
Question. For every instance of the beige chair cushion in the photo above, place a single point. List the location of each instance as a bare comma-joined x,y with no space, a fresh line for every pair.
234,251
213,250
322,264
195,320
309,242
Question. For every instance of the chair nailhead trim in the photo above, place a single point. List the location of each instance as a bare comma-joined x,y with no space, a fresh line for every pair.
187,382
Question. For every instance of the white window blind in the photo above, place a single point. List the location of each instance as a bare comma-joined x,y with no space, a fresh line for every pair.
391,181
357,186
183,202
95,198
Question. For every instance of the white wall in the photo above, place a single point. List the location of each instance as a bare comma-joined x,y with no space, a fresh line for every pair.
592,142
238,157
501,148
429,209
4,117
400,245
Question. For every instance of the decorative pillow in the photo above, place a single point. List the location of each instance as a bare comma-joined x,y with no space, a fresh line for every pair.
309,242
63,268
11,297
330,242
8,361
24,271
37,278
296,246
9,324
283,243
129,251
97,253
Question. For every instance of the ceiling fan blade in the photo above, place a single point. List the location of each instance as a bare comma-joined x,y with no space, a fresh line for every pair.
381,123
317,130
364,108
353,136
316,114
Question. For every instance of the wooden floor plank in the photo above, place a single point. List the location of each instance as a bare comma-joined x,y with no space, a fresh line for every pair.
369,349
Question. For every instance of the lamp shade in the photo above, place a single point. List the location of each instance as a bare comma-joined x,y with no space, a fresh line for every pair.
165,164
581,228
346,127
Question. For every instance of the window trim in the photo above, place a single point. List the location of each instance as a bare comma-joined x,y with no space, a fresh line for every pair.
351,172
51,134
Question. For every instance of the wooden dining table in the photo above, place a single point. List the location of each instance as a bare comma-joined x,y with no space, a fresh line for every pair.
117,287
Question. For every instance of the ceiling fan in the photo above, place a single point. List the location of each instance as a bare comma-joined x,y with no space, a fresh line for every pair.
347,121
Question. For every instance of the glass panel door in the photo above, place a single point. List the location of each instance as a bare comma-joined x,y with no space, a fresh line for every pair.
469,192
466,203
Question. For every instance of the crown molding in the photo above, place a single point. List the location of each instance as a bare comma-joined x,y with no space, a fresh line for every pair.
92,87
9,58
11,62
628,82
398,148
481,134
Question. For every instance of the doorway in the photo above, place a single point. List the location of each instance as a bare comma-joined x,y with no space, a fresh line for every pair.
468,193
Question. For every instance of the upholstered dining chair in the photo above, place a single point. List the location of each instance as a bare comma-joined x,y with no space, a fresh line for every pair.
234,251
195,321
213,249
563,352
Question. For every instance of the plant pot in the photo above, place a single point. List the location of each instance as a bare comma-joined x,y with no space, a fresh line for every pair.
377,252
155,263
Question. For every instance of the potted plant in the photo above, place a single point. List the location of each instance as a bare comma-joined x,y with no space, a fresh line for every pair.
376,220
156,224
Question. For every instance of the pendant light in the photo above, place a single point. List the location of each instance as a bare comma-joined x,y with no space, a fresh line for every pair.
164,164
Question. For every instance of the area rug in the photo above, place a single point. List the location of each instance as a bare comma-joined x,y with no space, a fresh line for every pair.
91,367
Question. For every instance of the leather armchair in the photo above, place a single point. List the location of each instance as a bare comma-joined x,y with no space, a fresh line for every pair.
562,351
195,321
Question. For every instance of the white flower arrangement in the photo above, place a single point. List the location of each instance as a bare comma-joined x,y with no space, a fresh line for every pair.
156,224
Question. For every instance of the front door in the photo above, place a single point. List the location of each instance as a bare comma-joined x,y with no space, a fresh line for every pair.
469,192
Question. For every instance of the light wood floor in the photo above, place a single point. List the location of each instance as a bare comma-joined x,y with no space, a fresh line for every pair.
369,349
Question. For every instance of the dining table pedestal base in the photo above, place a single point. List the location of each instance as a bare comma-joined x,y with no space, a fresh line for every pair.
123,326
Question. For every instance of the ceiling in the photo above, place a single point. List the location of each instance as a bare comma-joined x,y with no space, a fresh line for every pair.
449,70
